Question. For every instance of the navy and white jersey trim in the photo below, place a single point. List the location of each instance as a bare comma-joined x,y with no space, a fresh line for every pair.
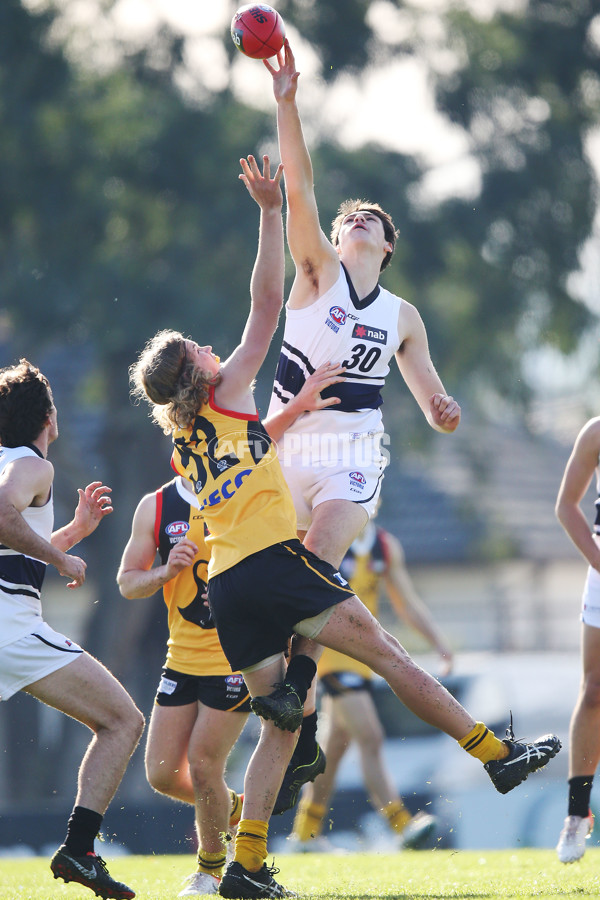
20,574
361,335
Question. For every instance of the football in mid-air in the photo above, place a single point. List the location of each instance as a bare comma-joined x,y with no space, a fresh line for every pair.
258,31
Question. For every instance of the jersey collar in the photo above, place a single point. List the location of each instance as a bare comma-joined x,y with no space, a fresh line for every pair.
360,304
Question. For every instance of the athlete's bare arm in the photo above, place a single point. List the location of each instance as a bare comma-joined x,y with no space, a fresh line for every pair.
234,392
137,576
27,482
317,261
441,411
578,474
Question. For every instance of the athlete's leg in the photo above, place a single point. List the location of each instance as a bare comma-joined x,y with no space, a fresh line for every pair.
335,524
273,751
352,630
86,691
336,741
213,736
263,778
357,714
584,751
167,767
314,801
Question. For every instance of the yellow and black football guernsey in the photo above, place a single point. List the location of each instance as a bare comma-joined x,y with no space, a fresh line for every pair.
193,647
232,464
365,562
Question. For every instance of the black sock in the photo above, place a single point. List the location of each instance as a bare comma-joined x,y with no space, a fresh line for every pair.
300,673
83,826
580,789
306,748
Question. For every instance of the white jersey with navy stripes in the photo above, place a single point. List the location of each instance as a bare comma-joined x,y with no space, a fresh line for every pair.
21,576
338,328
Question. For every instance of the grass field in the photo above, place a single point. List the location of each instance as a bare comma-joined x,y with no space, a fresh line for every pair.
425,875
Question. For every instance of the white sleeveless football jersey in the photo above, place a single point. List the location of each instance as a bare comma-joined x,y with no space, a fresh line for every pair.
362,335
21,576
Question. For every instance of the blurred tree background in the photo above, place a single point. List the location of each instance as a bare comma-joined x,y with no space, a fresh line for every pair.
122,214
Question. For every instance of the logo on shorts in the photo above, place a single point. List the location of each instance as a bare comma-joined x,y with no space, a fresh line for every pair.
233,686
336,318
166,686
177,529
339,577
368,333
358,479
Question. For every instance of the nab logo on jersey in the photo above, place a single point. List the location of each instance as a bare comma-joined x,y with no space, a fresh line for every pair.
177,529
336,318
367,333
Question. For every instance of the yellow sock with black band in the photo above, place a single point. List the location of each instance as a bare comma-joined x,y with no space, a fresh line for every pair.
236,808
251,844
397,815
483,744
211,863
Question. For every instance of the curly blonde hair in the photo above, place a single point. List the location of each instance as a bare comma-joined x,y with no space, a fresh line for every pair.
173,386
389,229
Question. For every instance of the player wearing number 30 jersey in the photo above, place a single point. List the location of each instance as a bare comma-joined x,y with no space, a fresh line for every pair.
335,453
338,313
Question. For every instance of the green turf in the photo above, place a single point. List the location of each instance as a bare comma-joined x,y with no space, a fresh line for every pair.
466,875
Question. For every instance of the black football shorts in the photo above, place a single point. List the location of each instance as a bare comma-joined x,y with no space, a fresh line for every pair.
256,603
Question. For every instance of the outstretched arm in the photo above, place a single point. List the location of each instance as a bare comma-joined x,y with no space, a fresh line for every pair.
266,289
409,606
137,577
576,480
317,262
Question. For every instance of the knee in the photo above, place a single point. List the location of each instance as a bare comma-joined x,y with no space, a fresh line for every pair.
135,724
590,690
128,723
161,779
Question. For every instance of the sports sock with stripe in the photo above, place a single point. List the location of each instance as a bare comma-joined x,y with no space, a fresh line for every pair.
251,844
483,744
237,801
211,863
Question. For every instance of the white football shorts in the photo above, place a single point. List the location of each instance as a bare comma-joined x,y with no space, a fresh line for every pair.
590,601
313,484
34,656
